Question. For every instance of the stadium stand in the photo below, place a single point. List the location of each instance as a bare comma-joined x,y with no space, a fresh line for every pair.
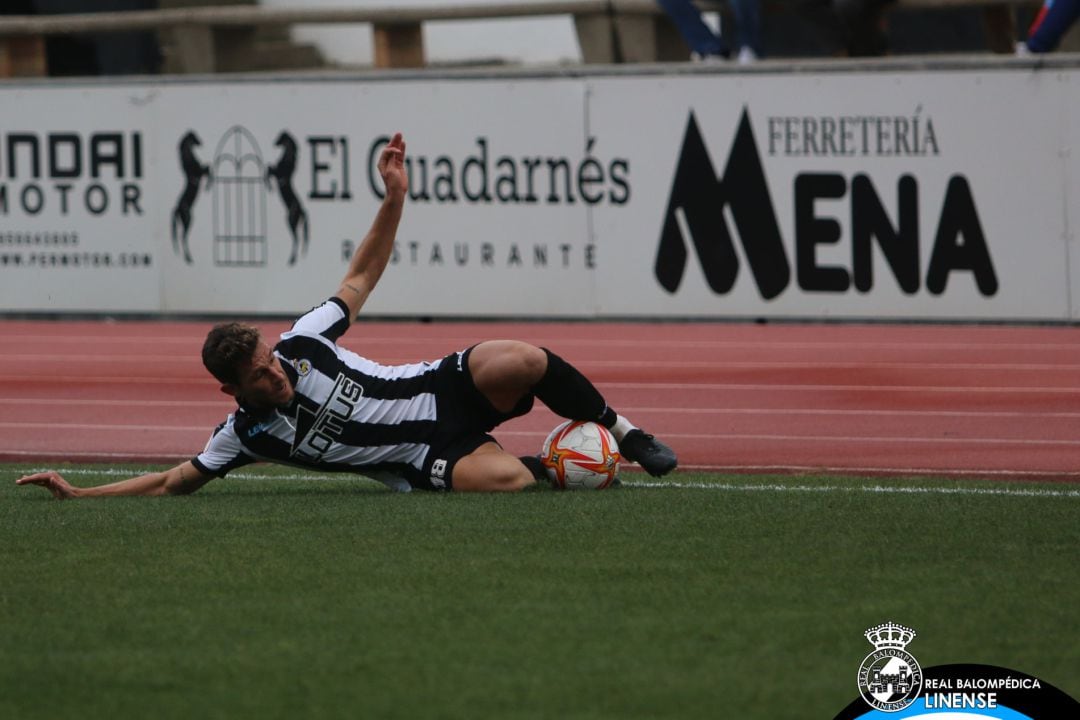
237,35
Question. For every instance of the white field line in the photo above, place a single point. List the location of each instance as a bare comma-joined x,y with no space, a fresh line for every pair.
719,437
725,487
999,473
995,473
878,489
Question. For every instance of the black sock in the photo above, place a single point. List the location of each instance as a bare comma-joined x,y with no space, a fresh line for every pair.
569,394
536,467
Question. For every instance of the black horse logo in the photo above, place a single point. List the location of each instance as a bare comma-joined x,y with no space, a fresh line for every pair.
194,172
282,172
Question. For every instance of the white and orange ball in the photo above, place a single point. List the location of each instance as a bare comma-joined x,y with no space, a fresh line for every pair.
581,455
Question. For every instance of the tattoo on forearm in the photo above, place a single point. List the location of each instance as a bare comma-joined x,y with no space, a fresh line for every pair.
354,289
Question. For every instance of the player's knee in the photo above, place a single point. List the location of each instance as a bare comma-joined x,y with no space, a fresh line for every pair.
504,362
508,475
513,480
501,473
533,362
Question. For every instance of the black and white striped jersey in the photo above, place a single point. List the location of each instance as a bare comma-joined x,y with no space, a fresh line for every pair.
349,414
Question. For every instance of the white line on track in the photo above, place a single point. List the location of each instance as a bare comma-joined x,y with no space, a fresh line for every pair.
118,379
844,413
718,437
141,360
84,357
820,387
602,339
631,410
678,484
61,426
721,437
105,336
97,456
638,386
226,406
722,365
1005,474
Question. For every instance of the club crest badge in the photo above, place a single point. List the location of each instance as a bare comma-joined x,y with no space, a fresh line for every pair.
892,681
890,678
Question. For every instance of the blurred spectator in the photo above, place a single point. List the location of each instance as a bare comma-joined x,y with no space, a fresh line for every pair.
706,44
1052,22
864,26
815,28
135,53
17,7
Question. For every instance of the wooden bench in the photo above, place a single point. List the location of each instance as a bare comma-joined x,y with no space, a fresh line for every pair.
608,30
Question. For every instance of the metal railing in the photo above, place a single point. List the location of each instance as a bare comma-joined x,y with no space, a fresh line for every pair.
608,30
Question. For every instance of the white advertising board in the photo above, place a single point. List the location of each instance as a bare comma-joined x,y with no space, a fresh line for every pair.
484,230
1067,85
871,194
838,195
77,210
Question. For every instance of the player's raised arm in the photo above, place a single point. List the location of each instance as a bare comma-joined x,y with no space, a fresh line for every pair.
180,480
371,257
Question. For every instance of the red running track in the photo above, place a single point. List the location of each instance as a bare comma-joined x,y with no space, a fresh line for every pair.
959,400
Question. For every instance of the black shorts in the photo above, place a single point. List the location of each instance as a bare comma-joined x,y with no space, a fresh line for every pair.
464,419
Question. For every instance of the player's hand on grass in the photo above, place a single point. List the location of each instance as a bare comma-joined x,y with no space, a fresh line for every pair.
392,168
51,481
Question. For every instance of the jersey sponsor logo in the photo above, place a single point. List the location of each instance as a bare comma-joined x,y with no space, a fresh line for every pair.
258,428
316,431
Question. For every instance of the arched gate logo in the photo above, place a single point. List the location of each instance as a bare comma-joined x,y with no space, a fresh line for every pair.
239,180
695,218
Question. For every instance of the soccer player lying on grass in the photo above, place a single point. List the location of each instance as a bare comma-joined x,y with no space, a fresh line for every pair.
310,403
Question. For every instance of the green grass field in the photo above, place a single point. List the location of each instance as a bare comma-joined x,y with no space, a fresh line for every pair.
268,596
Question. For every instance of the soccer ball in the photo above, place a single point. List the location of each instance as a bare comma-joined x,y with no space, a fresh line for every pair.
581,455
